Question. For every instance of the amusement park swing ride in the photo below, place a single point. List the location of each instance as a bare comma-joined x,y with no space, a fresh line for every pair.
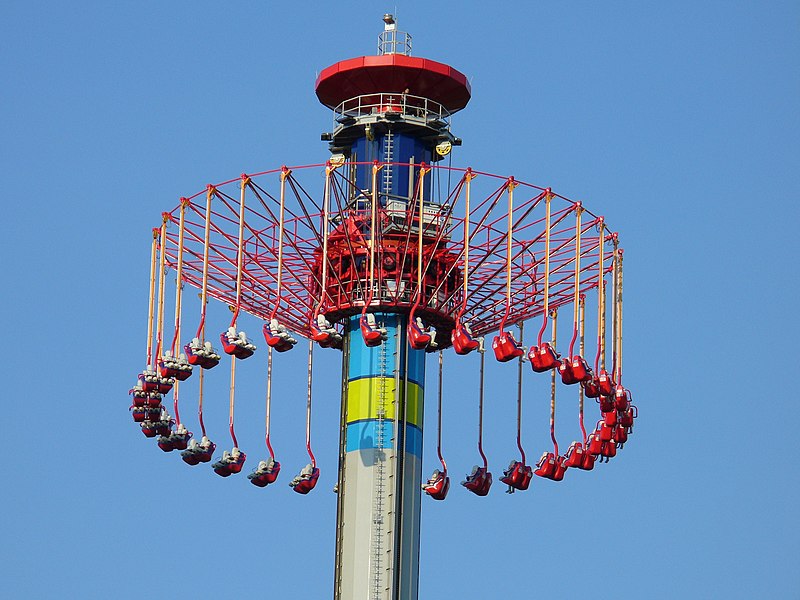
385,267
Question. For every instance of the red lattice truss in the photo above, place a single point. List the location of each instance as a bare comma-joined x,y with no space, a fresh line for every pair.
395,279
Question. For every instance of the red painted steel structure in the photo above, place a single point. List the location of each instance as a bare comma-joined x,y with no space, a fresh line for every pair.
442,292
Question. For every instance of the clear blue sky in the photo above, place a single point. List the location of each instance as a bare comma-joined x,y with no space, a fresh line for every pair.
678,121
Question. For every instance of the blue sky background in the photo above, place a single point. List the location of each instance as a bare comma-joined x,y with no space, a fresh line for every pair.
678,121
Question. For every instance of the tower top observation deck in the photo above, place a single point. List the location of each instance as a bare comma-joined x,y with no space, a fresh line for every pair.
393,71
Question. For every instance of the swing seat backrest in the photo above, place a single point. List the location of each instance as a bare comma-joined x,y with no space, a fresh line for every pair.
463,342
604,432
478,482
543,358
321,335
580,369
610,418
574,456
438,491
594,444
591,388
626,418
506,347
588,462
139,414
561,468
148,383
417,337
606,404
524,478
180,441
228,345
306,485
609,449
168,369
165,443
149,429
546,467
190,457
373,336
620,436
164,385
621,398
567,375
548,356
605,383
206,453
237,463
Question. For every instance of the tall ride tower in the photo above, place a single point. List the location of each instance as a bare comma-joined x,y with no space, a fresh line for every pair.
385,253
393,110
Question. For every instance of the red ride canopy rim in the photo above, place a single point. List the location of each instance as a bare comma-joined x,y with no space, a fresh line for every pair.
393,73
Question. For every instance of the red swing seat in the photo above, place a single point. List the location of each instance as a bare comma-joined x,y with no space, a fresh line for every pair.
621,398
202,355
606,404
139,395
266,473
323,332
418,336
139,414
588,462
463,342
305,482
606,383
148,381
277,337
164,427
591,387
196,453
620,436
609,450
176,440
565,370
551,466
626,418
610,418
505,347
230,463
604,432
594,444
372,334
575,455
517,476
479,481
235,343
149,429
579,457
543,358
574,370
437,486
152,413
178,368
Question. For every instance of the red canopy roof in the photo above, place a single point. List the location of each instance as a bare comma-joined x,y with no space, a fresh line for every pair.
393,73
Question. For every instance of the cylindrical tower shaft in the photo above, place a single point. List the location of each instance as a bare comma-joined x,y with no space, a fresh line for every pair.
377,545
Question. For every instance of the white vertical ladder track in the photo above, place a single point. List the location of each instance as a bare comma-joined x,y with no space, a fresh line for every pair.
388,157
379,482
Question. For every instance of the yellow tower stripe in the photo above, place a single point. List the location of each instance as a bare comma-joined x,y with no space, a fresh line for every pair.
364,399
